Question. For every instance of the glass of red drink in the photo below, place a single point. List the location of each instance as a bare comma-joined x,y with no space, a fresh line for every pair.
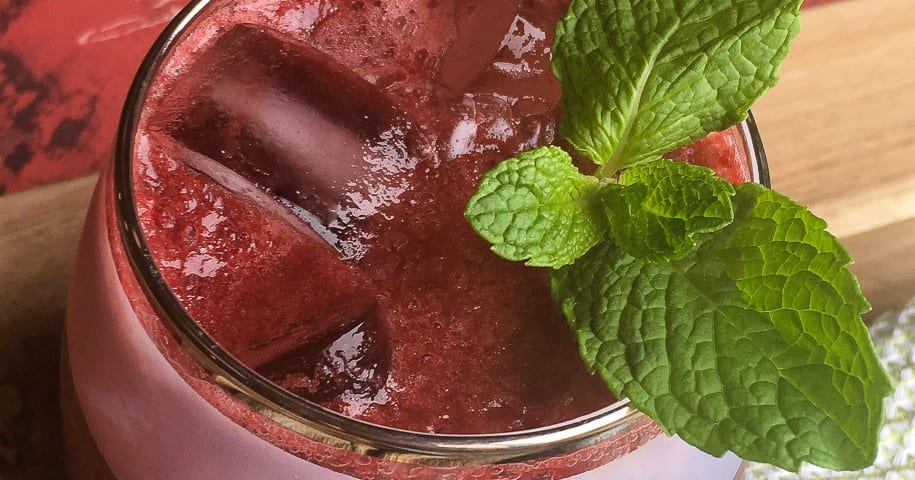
275,279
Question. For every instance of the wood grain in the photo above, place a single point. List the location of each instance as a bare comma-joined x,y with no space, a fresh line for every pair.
839,131
38,235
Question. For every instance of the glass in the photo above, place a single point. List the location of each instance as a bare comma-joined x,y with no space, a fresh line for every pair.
149,395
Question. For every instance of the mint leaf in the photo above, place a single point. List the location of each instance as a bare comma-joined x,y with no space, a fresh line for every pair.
751,343
659,206
538,207
641,78
727,314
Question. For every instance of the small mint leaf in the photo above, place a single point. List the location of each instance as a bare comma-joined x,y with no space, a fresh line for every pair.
642,78
538,207
752,343
659,206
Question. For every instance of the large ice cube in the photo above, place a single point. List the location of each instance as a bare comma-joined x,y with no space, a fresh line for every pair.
299,125
254,276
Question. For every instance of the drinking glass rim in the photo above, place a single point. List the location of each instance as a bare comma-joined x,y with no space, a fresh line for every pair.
303,416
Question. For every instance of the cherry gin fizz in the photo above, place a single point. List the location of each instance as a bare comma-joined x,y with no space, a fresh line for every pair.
276,279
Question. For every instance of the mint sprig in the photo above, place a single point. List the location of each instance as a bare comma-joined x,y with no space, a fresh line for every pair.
753,342
641,78
727,314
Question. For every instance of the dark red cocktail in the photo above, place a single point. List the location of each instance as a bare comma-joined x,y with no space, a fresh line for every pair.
291,287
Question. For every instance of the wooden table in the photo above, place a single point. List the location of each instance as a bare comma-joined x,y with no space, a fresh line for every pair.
839,131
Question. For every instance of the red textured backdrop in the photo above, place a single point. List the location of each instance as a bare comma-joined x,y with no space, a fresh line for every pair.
65,66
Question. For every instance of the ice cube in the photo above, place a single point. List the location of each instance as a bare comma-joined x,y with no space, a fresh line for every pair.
254,276
503,48
297,124
347,367
480,27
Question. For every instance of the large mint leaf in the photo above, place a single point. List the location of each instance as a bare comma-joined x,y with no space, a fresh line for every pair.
538,207
752,343
659,206
641,78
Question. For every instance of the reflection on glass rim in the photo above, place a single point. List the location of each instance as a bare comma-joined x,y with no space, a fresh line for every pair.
310,419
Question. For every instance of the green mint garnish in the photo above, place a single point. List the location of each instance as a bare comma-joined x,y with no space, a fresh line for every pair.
753,342
658,207
538,207
727,314
643,77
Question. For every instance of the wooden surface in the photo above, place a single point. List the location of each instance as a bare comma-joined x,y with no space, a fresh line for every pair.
839,131
38,235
